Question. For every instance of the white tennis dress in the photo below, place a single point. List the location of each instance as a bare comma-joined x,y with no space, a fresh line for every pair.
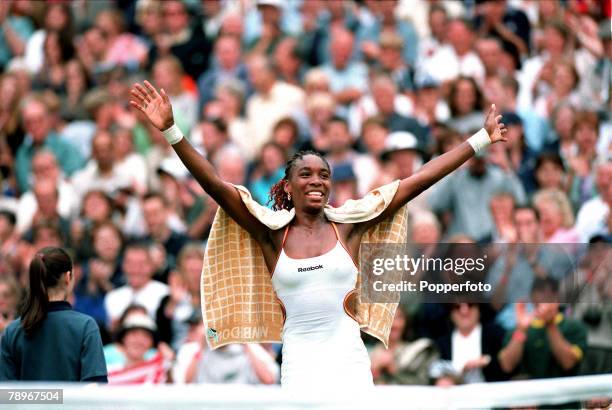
322,347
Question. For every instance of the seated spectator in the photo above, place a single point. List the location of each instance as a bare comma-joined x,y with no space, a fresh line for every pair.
44,165
404,362
457,58
101,274
182,39
535,75
184,297
57,51
271,33
286,134
11,94
123,48
429,105
564,80
556,217
344,185
347,78
231,165
425,231
96,208
231,98
140,288
37,124
373,135
58,18
319,108
509,25
101,172
465,101
550,172
401,157
521,262
433,33
148,18
168,74
271,101
44,233
234,363
288,61
502,91
9,239
490,52
73,100
581,163
516,155
466,194
18,27
393,63
472,347
394,108
341,152
270,169
136,357
502,209
228,64
446,139
10,298
591,219
544,343
127,160
157,219
589,292
211,134
47,197
386,21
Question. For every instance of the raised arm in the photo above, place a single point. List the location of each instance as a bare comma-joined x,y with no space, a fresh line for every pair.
443,165
157,108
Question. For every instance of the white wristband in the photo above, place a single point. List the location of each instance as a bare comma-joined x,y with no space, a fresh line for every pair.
480,140
173,134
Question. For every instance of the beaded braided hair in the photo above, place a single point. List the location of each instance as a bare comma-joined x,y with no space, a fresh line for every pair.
278,196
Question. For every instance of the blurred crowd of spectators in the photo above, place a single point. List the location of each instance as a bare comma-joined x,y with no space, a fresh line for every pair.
380,87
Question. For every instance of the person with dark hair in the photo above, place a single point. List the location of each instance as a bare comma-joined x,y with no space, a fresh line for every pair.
48,328
57,51
457,58
544,343
10,297
101,273
157,217
227,53
136,357
321,330
516,157
509,25
9,241
407,360
549,171
473,344
182,38
138,268
269,169
465,101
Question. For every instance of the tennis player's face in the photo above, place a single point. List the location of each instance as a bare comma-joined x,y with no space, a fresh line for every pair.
310,183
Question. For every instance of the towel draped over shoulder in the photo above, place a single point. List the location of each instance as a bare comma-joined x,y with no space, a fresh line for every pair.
239,304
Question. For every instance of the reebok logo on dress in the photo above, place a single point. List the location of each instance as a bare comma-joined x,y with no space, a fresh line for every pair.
310,268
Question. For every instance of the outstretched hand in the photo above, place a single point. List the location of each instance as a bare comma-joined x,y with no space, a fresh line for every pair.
494,127
154,105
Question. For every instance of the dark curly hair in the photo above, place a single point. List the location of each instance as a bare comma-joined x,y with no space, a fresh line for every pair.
278,196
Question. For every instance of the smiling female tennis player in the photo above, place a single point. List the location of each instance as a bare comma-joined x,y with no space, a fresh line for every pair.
312,260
